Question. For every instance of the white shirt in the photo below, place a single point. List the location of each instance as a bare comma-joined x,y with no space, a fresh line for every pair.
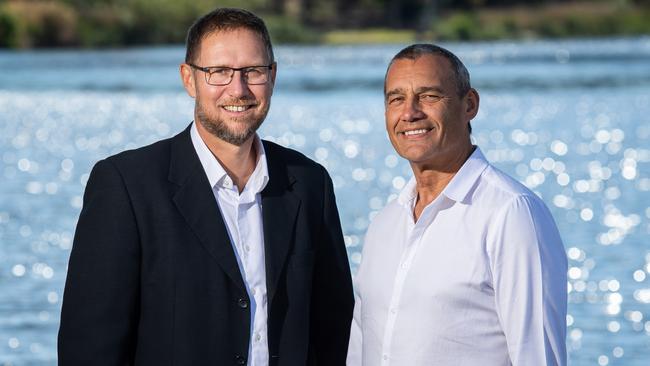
478,280
242,214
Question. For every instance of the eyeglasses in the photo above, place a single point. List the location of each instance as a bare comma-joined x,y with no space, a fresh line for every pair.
222,75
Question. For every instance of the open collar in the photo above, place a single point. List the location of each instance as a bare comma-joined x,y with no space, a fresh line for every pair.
459,187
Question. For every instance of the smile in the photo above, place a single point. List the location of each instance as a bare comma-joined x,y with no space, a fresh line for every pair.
416,132
237,108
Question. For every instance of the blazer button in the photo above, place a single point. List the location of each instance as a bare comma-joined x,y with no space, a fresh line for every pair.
241,360
242,303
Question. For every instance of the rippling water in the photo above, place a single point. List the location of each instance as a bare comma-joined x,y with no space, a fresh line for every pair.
569,119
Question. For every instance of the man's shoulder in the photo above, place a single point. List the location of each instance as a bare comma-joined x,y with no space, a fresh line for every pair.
387,216
502,192
153,151
147,161
504,185
295,161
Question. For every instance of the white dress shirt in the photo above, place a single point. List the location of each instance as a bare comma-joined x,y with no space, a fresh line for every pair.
242,214
478,280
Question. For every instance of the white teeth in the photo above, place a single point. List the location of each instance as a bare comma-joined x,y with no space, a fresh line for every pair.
236,108
415,132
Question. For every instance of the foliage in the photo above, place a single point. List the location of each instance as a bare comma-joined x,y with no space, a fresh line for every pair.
110,23
8,30
105,25
556,21
287,30
368,36
459,26
37,24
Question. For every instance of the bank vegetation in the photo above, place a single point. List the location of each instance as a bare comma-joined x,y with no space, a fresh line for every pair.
120,23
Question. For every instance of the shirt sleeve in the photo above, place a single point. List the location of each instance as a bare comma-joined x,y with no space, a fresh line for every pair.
529,267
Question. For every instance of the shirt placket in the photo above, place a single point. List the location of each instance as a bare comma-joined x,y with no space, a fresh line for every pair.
414,234
251,256
242,229
253,267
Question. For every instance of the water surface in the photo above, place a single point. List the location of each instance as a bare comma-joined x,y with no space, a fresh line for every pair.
570,119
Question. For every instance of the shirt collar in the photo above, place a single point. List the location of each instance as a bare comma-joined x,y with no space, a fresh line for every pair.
465,179
260,177
217,174
408,194
458,188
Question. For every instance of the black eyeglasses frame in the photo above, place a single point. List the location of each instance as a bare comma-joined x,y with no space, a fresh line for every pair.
208,72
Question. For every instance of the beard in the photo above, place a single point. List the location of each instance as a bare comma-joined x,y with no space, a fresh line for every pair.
218,127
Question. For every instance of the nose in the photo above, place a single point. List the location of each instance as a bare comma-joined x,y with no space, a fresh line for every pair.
411,111
238,87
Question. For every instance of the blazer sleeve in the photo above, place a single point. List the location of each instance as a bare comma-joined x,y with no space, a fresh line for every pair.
332,300
100,301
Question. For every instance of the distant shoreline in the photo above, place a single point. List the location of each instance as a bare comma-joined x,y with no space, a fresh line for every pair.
57,24
181,46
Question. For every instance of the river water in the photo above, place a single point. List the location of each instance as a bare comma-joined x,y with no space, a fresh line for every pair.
570,119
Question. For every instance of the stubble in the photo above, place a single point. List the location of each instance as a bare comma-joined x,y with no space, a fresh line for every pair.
219,128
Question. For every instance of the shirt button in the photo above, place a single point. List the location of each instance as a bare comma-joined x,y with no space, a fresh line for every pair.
253,291
242,303
385,357
404,265
247,248
257,337
393,311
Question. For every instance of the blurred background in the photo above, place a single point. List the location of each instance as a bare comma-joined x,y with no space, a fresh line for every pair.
118,23
565,108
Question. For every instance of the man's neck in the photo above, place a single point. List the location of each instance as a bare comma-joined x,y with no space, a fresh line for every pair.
432,179
238,161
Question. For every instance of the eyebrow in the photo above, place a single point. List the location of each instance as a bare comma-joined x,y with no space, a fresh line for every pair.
425,89
236,68
397,91
420,90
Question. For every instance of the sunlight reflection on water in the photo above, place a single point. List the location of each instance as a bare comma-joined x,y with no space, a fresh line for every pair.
569,122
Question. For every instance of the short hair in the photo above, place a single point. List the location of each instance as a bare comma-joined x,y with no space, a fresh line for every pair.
415,51
225,19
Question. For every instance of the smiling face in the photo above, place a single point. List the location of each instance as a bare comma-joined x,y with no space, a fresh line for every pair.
426,120
235,111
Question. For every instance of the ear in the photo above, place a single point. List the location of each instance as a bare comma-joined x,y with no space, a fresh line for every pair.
274,72
187,76
471,104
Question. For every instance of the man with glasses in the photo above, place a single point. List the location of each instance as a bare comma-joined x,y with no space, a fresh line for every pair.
212,247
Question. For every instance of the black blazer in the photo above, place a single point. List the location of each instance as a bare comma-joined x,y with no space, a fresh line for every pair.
153,278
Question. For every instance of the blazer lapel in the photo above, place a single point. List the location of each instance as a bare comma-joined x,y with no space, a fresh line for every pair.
196,203
279,211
